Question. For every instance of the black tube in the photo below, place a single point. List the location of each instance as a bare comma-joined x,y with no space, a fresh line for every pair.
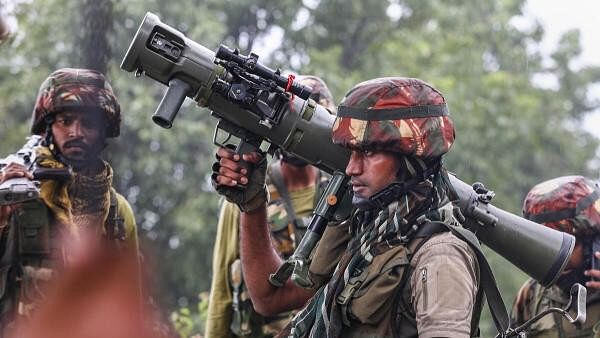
171,102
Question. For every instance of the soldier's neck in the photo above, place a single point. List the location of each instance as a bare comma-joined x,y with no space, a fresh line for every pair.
296,177
88,168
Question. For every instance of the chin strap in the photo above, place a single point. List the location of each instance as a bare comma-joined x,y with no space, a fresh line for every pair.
49,142
398,188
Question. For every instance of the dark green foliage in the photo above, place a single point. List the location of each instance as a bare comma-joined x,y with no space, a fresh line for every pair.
511,132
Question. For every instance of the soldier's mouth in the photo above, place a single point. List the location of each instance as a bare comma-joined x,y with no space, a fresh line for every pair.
359,190
75,146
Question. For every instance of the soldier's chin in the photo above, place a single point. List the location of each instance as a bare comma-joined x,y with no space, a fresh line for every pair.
75,160
74,152
74,156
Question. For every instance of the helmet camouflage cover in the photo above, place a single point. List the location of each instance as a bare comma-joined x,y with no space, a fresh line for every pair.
568,204
76,89
402,115
320,92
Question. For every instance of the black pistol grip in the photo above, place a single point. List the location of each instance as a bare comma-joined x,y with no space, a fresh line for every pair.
55,174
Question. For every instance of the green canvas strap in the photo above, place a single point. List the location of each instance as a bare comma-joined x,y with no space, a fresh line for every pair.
488,281
277,179
114,225
431,110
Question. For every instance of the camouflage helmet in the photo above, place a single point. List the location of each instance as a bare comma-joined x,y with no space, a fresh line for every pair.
396,114
320,93
569,203
76,89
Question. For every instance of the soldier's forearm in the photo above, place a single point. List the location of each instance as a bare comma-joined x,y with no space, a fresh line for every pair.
258,256
259,260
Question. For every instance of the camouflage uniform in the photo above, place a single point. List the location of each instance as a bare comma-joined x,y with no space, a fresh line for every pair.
33,246
395,270
570,204
230,311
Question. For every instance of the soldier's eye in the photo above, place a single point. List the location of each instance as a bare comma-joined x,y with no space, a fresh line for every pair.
88,123
64,121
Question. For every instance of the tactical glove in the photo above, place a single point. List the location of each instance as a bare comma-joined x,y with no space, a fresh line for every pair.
249,197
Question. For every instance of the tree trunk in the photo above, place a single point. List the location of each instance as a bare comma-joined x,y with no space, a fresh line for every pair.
96,24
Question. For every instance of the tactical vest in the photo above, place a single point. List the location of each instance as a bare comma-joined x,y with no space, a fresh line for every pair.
286,235
31,252
371,310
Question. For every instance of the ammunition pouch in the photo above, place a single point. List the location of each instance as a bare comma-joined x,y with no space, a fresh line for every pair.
8,278
26,248
33,224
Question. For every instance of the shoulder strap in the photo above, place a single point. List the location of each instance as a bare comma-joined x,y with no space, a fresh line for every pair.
277,180
495,301
114,225
488,282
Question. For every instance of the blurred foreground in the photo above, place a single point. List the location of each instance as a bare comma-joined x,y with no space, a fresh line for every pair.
97,295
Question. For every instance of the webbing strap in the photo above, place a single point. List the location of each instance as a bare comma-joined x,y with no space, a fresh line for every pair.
432,110
277,179
488,282
114,225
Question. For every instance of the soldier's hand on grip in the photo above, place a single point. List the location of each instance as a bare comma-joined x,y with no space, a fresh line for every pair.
229,175
12,170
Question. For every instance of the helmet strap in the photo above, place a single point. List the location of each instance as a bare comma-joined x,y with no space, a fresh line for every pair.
49,138
412,171
408,178
397,189
49,142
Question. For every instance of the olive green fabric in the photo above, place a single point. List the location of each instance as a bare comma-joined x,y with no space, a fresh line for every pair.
533,298
226,251
126,213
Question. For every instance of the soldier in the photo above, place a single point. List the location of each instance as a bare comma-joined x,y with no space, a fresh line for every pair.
570,204
393,268
294,189
75,112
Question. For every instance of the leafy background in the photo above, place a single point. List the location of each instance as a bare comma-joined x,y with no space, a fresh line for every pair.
511,132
